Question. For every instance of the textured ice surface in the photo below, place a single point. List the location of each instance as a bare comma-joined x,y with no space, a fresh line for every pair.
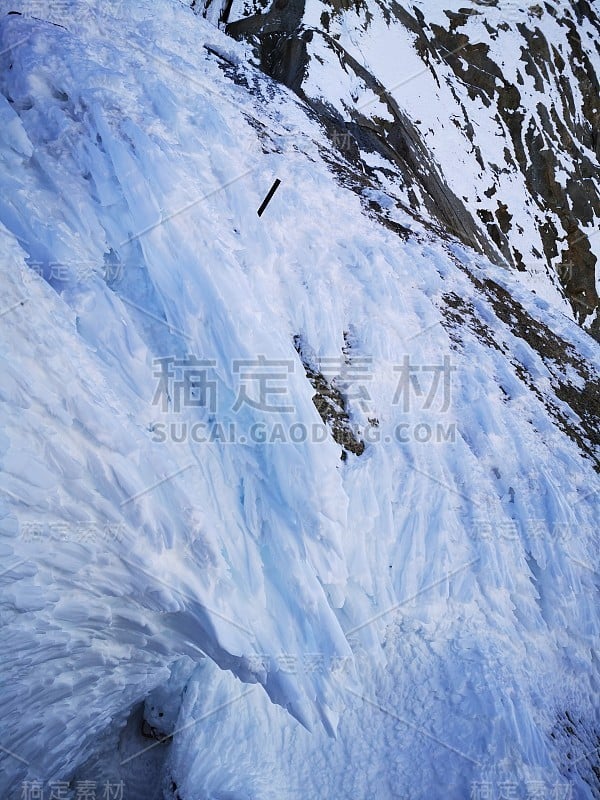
432,602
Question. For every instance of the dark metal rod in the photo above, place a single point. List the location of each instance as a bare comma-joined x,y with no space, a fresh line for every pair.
267,199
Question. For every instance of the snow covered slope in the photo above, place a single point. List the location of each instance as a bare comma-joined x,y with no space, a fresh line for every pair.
304,503
482,115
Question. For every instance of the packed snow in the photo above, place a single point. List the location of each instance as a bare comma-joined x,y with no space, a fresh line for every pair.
418,621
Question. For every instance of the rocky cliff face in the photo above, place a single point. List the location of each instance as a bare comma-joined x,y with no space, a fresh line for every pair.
479,116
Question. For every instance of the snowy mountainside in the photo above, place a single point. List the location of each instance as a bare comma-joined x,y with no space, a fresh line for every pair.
416,620
482,116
